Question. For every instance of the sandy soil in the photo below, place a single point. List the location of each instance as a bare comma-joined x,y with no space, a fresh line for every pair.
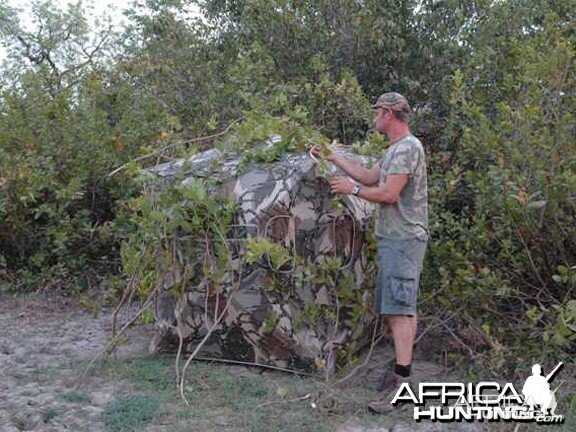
43,343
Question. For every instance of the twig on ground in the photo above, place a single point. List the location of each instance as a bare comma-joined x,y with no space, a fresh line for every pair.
259,365
366,360
433,326
113,342
178,322
217,318
199,346
301,398
457,339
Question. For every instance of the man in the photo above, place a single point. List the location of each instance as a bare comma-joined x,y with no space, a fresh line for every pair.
398,185
536,391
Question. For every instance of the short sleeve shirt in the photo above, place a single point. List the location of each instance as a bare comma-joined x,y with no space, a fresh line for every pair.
408,216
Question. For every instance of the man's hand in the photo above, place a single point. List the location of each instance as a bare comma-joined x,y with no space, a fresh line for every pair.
364,176
342,185
323,152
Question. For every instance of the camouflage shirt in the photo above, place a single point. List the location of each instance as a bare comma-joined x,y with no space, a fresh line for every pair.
408,216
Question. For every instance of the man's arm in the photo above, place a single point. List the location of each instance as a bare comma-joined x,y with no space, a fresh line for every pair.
386,193
365,176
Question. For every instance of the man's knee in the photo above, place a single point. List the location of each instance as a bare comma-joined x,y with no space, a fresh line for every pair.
392,320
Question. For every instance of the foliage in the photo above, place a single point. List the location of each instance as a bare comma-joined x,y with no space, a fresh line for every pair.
507,185
182,230
59,140
491,84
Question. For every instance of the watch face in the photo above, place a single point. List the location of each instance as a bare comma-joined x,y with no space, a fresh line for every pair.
355,190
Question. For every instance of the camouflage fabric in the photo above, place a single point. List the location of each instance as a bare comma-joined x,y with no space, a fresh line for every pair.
287,202
392,100
408,217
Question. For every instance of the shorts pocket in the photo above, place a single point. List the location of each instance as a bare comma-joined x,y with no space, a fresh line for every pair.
404,291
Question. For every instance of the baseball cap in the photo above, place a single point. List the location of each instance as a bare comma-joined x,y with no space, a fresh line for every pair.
392,100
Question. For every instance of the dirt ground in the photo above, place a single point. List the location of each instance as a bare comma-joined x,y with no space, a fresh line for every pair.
45,345
42,344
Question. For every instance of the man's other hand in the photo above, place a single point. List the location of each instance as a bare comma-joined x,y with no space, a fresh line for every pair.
341,185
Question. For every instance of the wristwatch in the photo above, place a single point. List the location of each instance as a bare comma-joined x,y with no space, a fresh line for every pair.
356,189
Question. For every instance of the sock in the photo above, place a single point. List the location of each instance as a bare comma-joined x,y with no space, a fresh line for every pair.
403,371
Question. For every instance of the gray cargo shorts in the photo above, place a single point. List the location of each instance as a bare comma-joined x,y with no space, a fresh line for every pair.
399,266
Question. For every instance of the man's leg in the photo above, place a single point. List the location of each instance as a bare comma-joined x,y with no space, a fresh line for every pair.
403,329
399,266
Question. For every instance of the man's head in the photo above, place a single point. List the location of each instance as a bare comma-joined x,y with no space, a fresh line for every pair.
390,107
536,369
